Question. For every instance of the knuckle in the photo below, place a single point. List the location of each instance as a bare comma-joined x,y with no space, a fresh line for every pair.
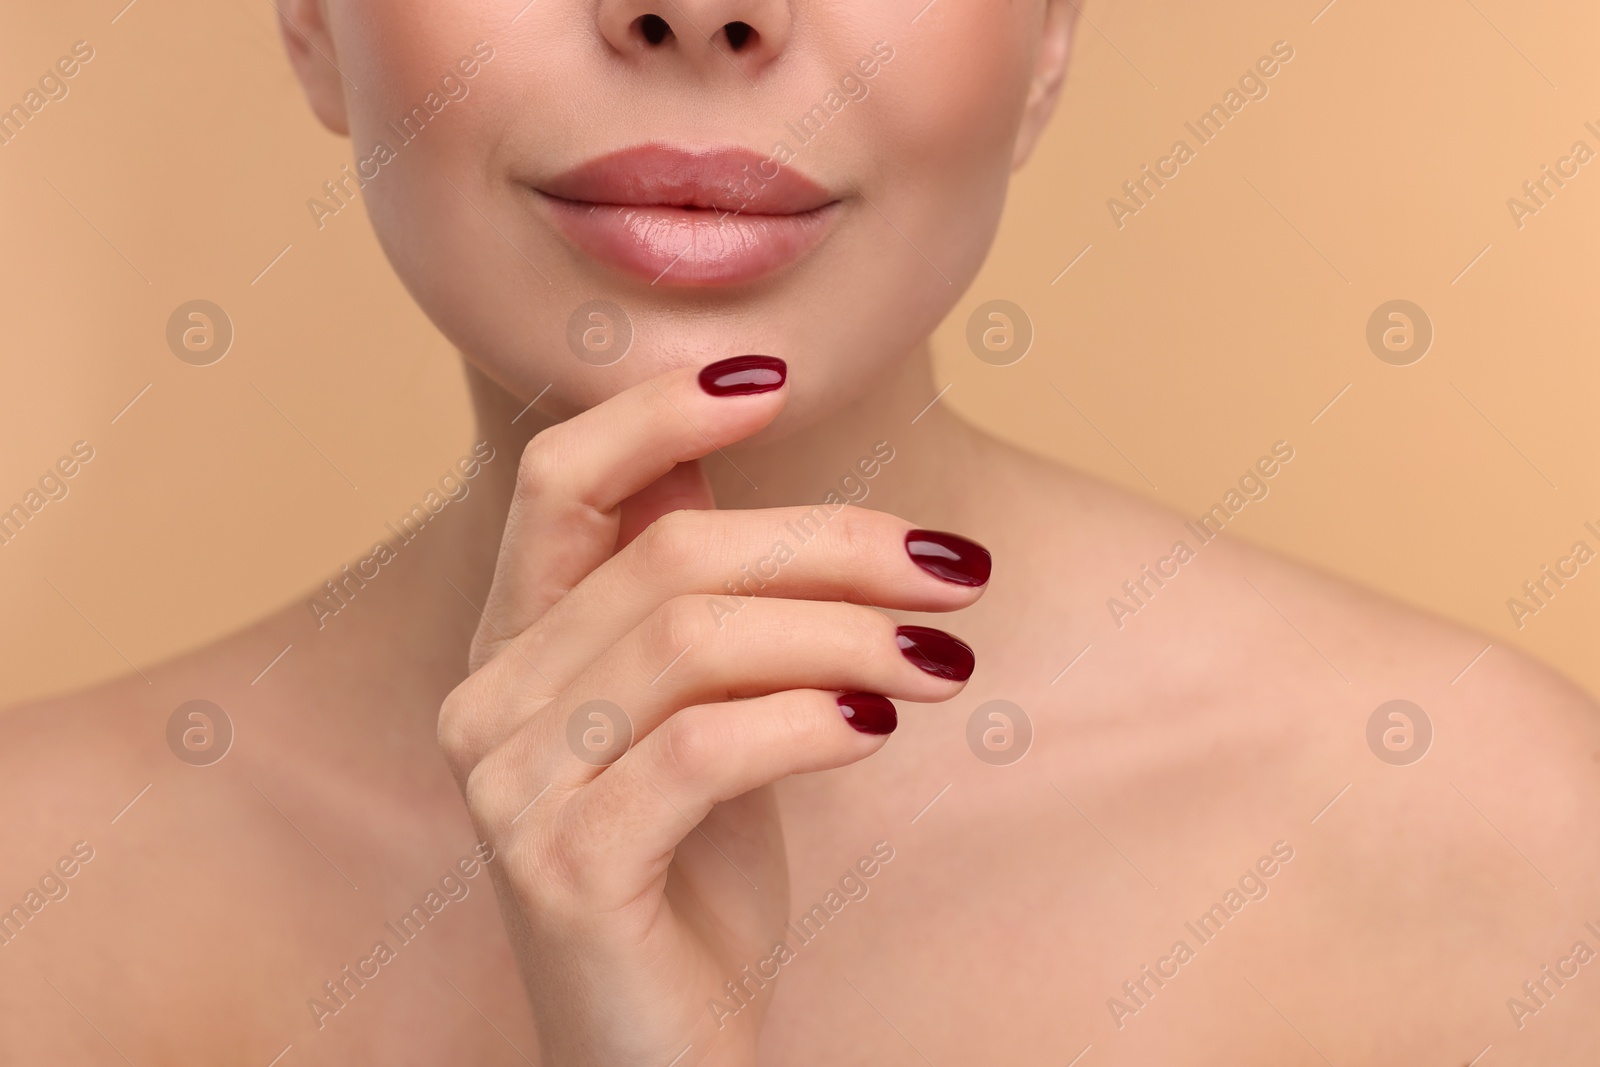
680,623
554,871
548,858
481,792
672,544
689,747
497,790
540,464
452,729
565,862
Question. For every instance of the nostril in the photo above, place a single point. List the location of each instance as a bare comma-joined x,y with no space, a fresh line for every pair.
739,34
653,28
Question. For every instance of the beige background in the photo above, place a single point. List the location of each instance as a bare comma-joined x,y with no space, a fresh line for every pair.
1224,316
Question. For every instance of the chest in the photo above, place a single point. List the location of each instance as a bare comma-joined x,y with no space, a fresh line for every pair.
1031,921
1026,913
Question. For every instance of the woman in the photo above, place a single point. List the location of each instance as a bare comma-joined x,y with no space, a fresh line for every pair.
692,253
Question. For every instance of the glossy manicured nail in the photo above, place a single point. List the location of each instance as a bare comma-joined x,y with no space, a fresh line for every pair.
743,375
936,652
868,712
944,555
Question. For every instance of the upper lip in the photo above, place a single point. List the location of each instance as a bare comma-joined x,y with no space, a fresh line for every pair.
730,180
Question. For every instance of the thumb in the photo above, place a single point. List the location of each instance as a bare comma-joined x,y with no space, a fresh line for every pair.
684,486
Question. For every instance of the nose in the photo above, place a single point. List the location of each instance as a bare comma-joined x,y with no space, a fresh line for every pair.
706,34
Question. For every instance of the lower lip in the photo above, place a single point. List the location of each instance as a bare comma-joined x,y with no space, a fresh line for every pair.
684,247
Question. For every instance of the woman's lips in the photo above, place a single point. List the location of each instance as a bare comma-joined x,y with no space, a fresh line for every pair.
690,218
689,246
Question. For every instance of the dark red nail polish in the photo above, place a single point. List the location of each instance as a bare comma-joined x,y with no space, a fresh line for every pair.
936,652
944,555
743,375
868,712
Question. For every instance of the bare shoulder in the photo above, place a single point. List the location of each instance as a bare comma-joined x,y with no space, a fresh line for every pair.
1139,579
113,812
272,798
1452,846
1439,788
65,758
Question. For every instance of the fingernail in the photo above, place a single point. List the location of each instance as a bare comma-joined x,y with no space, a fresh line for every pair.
936,652
944,555
743,375
868,712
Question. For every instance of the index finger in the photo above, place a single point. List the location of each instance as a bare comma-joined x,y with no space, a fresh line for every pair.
572,477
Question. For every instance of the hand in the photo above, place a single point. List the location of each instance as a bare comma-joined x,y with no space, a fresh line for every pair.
633,892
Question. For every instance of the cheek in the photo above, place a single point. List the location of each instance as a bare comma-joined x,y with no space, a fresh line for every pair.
431,204
943,121
957,92
398,51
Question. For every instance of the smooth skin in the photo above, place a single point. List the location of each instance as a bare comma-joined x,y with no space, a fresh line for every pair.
1168,756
